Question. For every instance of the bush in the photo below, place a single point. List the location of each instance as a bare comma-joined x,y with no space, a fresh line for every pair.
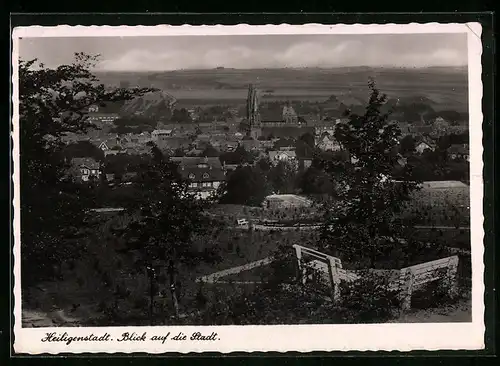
368,300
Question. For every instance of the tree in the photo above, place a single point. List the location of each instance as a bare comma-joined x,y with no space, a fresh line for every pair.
314,181
168,218
245,186
363,227
407,145
282,177
53,102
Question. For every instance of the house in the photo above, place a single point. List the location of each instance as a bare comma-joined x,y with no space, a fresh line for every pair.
289,115
112,146
205,174
160,135
85,168
276,156
423,146
327,143
459,152
320,130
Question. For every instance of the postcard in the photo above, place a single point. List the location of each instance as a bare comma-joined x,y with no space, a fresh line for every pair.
247,188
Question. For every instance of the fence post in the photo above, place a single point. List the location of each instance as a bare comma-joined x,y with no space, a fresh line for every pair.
334,279
406,289
300,270
451,276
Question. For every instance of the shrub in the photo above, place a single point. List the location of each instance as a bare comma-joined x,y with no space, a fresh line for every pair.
368,300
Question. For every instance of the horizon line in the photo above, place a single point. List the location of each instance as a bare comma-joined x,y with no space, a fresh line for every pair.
294,68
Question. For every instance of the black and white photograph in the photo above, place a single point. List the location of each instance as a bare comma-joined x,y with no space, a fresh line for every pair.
323,181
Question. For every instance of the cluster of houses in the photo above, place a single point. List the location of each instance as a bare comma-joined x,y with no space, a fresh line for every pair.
189,146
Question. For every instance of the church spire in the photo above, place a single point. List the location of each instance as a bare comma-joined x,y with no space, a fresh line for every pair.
252,106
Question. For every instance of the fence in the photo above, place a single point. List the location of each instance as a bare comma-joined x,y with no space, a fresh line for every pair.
408,279
328,266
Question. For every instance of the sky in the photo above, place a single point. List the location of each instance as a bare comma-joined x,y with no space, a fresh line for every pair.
164,53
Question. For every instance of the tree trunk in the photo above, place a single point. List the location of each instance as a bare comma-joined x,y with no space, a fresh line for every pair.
173,287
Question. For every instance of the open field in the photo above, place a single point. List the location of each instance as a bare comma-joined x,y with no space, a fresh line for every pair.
446,88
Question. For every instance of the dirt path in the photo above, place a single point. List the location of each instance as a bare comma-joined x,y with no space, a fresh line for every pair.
460,312
38,319
235,270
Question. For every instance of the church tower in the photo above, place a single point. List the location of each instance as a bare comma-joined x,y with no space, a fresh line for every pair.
253,115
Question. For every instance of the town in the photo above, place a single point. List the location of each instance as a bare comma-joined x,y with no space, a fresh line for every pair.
212,142
244,211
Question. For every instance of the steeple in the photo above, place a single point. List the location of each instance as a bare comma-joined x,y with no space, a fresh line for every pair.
253,107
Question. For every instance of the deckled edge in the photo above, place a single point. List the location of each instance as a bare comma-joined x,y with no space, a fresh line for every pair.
40,31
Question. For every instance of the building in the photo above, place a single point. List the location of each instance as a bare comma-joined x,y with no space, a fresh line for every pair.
276,156
205,174
287,124
459,152
112,146
328,143
160,135
95,116
277,201
320,130
423,146
84,169
289,116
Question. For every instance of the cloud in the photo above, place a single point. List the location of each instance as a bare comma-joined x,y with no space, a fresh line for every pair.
304,54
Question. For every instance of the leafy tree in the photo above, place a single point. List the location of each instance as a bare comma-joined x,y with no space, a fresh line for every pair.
314,181
53,102
407,145
245,186
168,218
282,177
362,227
264,164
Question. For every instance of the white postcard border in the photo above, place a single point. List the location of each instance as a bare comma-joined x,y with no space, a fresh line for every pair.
301,338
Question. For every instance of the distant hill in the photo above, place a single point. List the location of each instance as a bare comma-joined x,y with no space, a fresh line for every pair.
151,105
443,88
